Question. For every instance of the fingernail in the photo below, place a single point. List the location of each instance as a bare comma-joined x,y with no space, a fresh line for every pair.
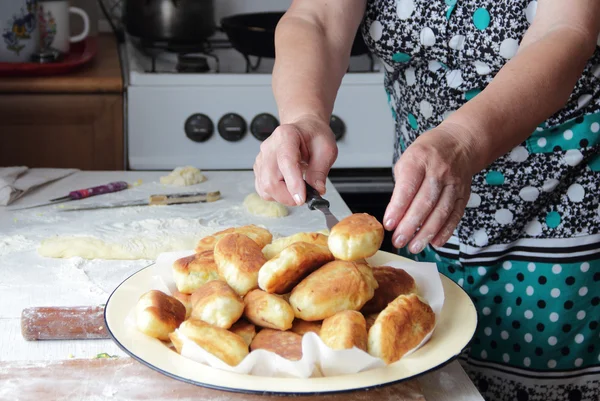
298,199
399,241
417,247
389,224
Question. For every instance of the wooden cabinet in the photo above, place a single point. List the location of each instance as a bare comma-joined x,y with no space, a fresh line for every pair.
68,121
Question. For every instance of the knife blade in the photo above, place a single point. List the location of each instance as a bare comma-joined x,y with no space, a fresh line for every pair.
314,201
155,200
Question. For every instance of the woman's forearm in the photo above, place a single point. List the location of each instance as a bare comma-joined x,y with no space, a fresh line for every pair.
312,44
526,91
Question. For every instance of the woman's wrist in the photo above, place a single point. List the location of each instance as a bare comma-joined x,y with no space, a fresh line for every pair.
294,118
472,142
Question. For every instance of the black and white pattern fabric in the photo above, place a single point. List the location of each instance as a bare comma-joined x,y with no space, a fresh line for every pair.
528,247
440,54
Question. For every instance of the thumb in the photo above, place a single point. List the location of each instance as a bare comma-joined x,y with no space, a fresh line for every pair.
322,156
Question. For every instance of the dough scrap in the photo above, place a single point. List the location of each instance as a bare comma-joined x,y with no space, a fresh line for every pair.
183,176
257,206
95,248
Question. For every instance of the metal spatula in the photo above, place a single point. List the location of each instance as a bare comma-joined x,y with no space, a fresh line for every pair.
314,201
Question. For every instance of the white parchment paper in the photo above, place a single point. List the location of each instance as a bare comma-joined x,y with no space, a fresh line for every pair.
317,359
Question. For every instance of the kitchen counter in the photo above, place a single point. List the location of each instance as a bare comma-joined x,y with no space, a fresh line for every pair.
28,280
75,119
102,75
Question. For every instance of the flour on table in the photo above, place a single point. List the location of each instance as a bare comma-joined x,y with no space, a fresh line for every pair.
144,239
14,243
257,206
183,176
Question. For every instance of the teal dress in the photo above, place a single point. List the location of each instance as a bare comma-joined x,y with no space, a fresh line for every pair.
527,250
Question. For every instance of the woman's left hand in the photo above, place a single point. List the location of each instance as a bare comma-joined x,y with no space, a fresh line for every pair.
433,184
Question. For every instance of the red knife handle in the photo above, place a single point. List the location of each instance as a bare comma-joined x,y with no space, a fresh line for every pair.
99,190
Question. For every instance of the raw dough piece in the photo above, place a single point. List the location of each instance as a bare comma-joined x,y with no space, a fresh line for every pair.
183,176
257,206
95,248
141,239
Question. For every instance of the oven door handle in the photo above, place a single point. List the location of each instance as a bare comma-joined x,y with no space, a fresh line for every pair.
362,185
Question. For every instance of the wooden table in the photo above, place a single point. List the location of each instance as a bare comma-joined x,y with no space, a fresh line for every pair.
66,369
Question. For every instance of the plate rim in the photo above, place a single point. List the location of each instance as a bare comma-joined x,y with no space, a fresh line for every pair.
270,392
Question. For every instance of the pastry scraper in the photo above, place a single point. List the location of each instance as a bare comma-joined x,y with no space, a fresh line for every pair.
314,201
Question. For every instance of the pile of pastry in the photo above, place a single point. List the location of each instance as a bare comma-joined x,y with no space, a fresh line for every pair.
242,291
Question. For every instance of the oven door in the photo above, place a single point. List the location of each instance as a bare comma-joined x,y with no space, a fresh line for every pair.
366,191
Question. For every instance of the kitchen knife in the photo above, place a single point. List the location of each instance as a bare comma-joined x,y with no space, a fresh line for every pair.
82,194
155,200
314,201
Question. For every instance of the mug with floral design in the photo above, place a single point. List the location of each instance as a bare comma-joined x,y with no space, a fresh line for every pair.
19,30
54,27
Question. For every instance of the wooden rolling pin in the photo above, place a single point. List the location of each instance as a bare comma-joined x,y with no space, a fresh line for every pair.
63,323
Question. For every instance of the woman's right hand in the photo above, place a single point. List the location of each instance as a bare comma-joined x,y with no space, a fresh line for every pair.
305,145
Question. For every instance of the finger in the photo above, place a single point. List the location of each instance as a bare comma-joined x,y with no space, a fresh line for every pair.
322,157
436,219
288,162
258,186
451,223
260,191
409,177
420,207
272,184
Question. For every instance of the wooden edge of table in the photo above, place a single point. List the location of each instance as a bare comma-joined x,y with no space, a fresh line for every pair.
126,379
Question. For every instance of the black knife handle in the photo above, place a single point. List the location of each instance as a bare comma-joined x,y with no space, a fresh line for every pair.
314,199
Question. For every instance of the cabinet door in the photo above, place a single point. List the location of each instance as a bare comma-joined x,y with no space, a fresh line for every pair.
62,131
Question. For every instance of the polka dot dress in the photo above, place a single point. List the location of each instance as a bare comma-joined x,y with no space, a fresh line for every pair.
528,247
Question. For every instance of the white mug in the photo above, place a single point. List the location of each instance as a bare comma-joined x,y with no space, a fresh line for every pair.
18,30
55,30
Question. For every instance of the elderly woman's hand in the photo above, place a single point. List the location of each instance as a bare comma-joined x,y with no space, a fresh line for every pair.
433,181
306,145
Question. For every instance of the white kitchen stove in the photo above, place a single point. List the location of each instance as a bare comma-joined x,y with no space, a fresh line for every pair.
217,119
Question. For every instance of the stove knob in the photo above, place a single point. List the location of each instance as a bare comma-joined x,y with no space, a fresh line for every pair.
337,126
263,125
199,127
232,127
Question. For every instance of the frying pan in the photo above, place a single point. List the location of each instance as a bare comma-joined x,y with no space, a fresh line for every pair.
253,34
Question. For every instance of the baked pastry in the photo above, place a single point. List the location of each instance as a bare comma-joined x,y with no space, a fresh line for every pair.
274,248
370,319
356,237
238,261
392,283
193,271
186,300
259,235
400,327
217,303
345,330
280,274
225,345
335,287
244,329
268,310
302,327
286,344
158,314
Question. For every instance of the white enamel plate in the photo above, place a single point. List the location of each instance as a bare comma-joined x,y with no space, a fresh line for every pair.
452,333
